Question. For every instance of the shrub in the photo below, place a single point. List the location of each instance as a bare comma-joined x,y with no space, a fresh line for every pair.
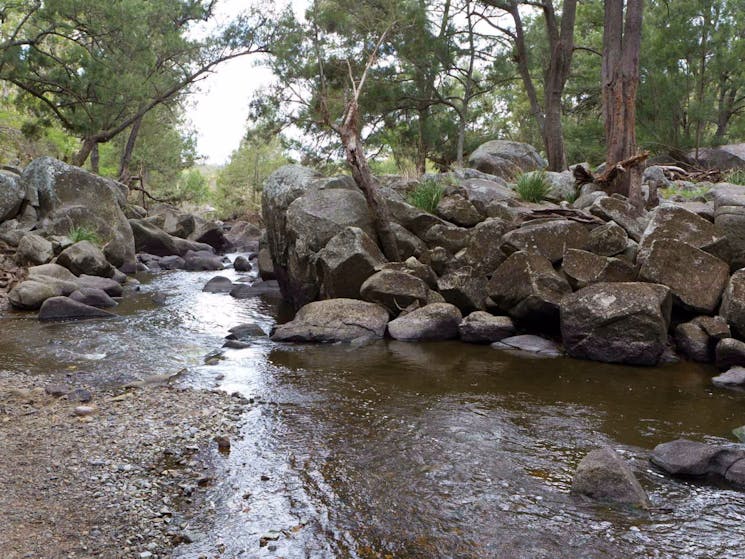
533,187
426,195
78,234
735,176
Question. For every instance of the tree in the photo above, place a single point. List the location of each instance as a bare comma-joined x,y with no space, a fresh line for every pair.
620,76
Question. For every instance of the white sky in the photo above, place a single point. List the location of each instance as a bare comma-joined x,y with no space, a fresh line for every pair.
219,108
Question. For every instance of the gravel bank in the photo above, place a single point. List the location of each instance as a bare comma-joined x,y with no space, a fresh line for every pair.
121,478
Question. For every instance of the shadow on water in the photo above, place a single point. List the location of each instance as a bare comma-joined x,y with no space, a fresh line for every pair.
409,450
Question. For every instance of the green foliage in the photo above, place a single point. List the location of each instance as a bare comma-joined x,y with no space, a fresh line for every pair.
426,195
78,234
533,187
687,194
736,176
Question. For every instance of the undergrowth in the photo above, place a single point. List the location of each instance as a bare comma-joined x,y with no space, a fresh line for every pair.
533,187
426,195
78,234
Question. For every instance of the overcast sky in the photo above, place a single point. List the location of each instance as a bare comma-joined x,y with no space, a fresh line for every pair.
218,110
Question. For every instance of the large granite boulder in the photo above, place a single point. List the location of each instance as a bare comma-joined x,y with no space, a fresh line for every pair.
85,258
463,288
68,197
527,288
481,327
30,294
684,457
549,238
437,321
617,322
93,297
733,303
33,250
607,240
65,308
731,156
394,290
604,476
12,195
151,239
347,260
695,278
622,212
583,268
483,252
451,237
334,320
458,210
506,159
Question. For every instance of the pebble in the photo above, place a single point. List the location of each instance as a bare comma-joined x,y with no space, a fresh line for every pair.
84,411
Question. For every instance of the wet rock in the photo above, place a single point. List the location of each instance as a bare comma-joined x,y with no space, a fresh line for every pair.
266,266
604,476
622,212
85,258
64,308
550,239
735,376
481,327
236,344
617,322
244,291
583,268
733,303
683,457
730,353
437,321
93,297
458,210
530,345
695,278
218,284
394,290
242,264
33,250
246,331
698,338
334,320
202,262
346,261
110,286
607,240
173,262
527,288
451,237
505,159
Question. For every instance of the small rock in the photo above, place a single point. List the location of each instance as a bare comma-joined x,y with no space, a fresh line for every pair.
80,395
223,444
735,376
56,390
529,344
604,476
84,411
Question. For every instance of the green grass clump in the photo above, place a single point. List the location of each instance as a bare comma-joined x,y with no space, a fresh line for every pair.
426,195
78,234
736,176
533,187
687,194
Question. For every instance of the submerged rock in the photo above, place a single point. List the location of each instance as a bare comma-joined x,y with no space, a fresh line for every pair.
604,476
64,308
530,345
93,297
734,377
218,284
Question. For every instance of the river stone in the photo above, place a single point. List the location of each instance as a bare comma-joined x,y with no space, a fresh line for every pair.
622,212
481,327
11,196
64,308
33,250
527,288
482,250
242,264
52,270
394,290
506,159
85,258
218,284
607,240
530,345
110,286
735,376
437,321
245,291
334,320
698,338
683,457
152,240
202,262
617,322
458,210
695,278
347,260
733,303
245,331
464,289
729,353
451,237
68,197
173,262
211,233
93,297
549,239
583,268
30,294
604,476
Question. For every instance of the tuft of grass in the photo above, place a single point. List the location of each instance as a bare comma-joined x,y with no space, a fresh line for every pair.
426,195
533,187
687,194
735,176
78,234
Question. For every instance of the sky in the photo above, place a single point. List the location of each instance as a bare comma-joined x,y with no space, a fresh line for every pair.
219,108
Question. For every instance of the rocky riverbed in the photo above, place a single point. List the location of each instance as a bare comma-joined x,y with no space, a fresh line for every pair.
110,473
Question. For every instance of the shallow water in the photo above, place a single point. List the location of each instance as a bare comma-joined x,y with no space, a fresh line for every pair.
408,450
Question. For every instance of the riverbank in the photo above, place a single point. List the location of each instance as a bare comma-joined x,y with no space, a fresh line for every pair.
122,479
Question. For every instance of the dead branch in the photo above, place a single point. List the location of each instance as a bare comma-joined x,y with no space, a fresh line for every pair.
607,177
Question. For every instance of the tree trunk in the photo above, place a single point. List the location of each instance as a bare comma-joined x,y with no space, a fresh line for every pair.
95,159
124,173
422,149
461,139
81,156
620,74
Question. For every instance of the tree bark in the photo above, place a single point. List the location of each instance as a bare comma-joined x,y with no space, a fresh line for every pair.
126,159
95,159
81,156
620,74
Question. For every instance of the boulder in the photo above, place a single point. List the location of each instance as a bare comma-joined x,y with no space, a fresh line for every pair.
729,219
68,197
506,159
583,268
202,261
150,239
734,377
464,289
245,291
394,290
242,264
218,284
451,237
698,338
85,258
604,476
731,156
438,321
695,278
12,194
347,260
64,308
622,212
549,238
244,236
266,266
528,288
415,268
172,262
683,457
173,221
245,331
110,286
481,327
529,345
30,294
33,250
729,353
334,320
209,233
408,244
52,271
93,297
482,252
617,322
563,186
484,191
733,303
413,219
458,210
607,240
